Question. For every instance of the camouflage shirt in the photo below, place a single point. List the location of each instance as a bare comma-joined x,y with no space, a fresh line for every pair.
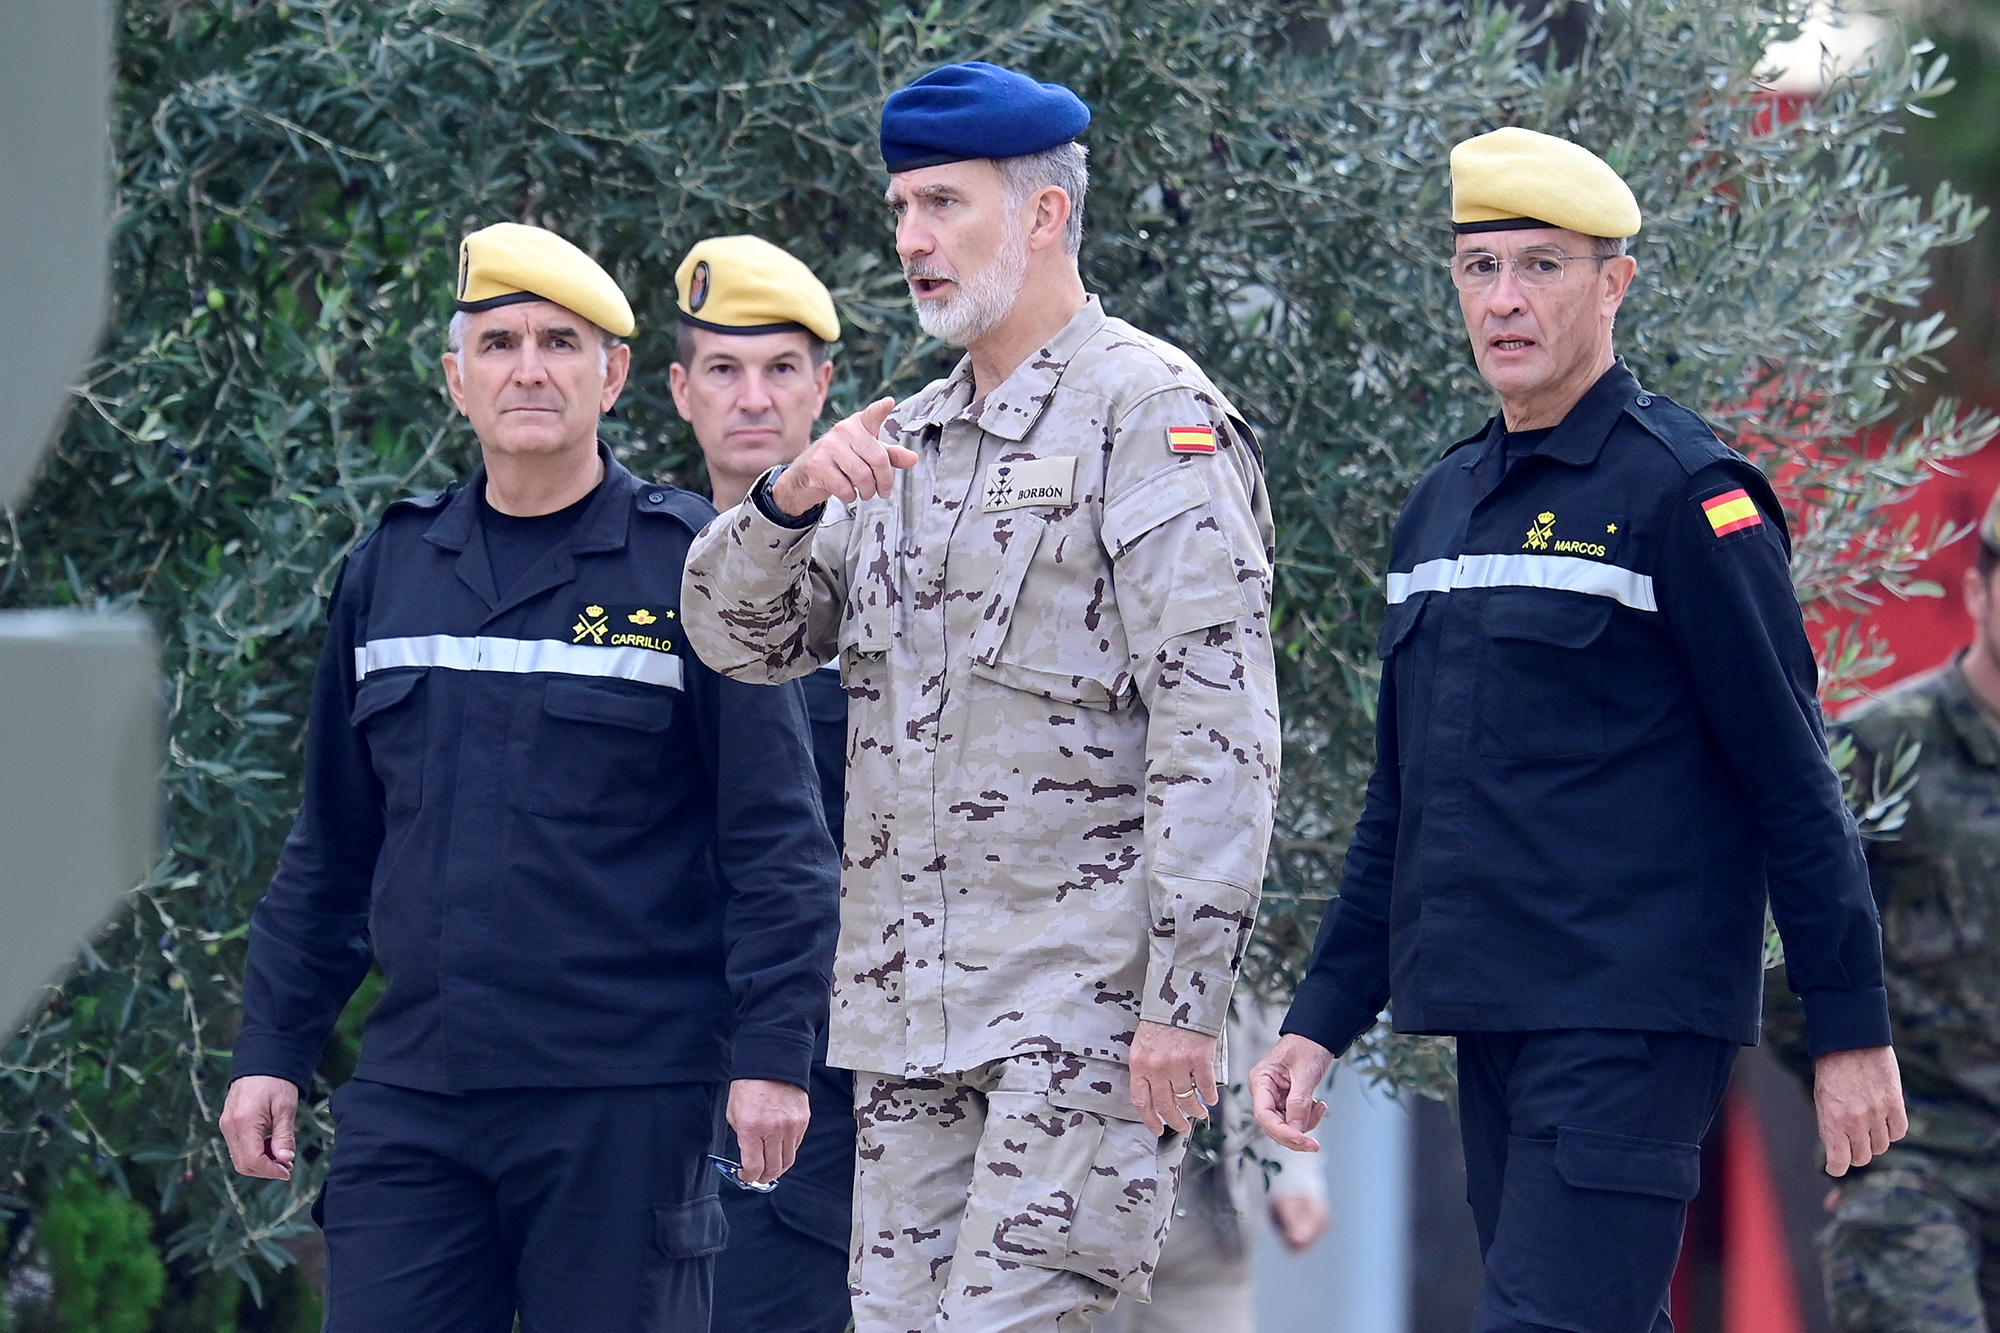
1062,732
1937,882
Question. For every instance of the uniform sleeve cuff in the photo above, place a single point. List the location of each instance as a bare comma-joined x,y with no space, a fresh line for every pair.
271,1056
781,1055
1841,1020
760,498
1324,1012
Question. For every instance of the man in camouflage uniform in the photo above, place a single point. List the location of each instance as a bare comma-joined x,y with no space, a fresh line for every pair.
1915,1238
1047,581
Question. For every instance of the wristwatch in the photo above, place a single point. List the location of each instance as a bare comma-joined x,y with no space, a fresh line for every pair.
760,495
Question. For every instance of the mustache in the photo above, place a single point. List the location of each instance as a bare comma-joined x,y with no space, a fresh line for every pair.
919,269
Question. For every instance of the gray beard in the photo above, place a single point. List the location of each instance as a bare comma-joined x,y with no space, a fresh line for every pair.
983,300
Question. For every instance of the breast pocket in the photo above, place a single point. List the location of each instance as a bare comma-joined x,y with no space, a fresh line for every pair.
599,752
1541,688
389,714
1049,622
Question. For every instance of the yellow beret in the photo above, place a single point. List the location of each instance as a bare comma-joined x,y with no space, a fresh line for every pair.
1513,179
507,262
739,284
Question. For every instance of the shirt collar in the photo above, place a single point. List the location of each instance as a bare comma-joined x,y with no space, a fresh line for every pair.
1962,711
1012,409
603,527
1579,437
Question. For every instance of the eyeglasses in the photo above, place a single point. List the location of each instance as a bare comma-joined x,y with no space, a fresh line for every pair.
733,1173
1476,270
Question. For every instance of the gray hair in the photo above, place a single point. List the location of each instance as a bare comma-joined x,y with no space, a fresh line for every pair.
1608,247
1066,167
461,320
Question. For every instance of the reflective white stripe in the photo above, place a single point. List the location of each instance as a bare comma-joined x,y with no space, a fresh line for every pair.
1567,573
519,657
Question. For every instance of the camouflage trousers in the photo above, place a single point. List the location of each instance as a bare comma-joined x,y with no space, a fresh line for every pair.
1914,1247
1018,1196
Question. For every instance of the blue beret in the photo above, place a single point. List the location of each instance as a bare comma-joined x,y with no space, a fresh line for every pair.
976,110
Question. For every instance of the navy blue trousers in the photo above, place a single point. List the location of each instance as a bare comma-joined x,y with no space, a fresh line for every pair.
1582,1149
580,1209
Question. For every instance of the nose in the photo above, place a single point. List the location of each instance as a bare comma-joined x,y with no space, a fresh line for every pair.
1505,296
530,369
756,394
913,238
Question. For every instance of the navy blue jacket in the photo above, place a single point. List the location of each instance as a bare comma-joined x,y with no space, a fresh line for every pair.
581,857
1598,750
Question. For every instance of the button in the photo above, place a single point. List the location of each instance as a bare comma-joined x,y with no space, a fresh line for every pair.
1645,400
657,497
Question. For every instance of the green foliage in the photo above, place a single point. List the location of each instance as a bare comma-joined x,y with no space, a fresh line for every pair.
99,1247
1268,190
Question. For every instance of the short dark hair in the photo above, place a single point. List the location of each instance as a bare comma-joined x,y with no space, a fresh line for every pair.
684,352
1989,560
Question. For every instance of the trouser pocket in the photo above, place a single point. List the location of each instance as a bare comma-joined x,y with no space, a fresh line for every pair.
681,1266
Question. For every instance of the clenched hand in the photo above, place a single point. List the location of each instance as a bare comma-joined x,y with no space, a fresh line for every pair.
1281,1090
769,1119
1859,1098
258,1123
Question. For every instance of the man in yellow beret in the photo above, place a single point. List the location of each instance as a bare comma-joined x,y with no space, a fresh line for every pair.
750,375
1599,756
593,873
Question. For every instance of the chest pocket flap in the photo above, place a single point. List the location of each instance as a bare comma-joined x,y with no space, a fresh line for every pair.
1398,623
1546,615
582,701
380,693
1166,494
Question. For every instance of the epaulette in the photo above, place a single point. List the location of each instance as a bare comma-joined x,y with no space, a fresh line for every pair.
425,503
660,498
1687,437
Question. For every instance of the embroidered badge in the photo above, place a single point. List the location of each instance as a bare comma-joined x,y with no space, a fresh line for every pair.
621,627
591,626
1026,482
1539,532
1191,439
698,287
1731,511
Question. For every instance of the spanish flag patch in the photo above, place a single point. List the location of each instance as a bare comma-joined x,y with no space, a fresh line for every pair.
1191,439
1731,511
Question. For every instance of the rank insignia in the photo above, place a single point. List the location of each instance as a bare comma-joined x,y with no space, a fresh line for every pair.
1731,511
591,626
1191,439
1539,532
642,617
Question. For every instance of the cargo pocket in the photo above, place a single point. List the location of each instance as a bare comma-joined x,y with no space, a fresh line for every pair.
1042,657
1111,1195
1593,1159
1541,693
681,1267
598,753
389,714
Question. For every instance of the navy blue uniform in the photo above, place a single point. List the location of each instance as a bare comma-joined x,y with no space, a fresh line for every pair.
1599,751
802,1228
583,861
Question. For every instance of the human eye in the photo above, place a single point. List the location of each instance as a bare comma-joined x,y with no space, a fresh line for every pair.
1478,265
1545,266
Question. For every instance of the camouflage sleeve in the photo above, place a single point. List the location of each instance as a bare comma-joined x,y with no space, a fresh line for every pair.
1188,538
762,603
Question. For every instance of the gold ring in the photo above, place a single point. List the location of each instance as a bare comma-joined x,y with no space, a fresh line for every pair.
1191,1092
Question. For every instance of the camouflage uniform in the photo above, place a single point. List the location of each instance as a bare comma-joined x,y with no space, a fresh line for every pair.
1915,1242
1062,762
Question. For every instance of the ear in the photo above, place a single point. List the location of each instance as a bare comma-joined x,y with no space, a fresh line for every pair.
617,365
454,382
822,381
677,381
1048,214
1618,275
1973,589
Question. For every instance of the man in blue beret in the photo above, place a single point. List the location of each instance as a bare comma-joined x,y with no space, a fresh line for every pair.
1046,580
